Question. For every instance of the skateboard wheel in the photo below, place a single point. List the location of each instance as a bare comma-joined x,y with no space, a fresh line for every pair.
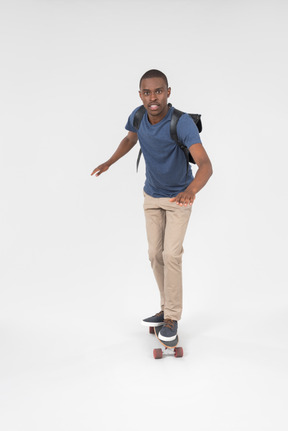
151,330
178,352
157,353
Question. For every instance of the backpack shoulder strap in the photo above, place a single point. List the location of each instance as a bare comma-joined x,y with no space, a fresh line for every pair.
173,132
173,125
139,114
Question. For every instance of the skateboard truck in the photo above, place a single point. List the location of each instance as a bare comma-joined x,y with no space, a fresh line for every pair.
158,353
169,345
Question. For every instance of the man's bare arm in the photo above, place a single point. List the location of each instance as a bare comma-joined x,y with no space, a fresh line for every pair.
125,146
203,174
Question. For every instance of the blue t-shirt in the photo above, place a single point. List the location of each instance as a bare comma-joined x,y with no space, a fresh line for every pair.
166,165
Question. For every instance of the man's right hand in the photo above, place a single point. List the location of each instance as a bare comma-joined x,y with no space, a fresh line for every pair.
125,145
100,169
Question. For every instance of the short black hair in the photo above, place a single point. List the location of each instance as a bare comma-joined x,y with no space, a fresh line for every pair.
154,73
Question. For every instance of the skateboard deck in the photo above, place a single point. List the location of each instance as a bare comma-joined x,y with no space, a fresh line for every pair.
172,345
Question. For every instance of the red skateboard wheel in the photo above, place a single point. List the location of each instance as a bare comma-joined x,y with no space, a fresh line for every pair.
157,353
151,330
178,352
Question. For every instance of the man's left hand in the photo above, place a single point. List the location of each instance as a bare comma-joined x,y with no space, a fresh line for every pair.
184,198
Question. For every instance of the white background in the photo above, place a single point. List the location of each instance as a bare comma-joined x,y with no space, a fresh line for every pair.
75,276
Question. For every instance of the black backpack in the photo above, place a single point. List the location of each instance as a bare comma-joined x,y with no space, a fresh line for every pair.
173,130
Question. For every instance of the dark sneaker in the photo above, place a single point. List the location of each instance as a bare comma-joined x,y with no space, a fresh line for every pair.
169,330
156,320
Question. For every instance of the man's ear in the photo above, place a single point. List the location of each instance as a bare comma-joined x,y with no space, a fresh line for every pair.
169,92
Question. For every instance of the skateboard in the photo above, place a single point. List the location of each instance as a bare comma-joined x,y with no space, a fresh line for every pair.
172,345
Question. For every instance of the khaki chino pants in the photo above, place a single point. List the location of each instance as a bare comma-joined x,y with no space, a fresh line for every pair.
166,224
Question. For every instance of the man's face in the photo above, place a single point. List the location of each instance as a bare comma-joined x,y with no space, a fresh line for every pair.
154,95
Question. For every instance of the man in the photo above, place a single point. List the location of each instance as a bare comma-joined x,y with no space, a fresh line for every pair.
169,191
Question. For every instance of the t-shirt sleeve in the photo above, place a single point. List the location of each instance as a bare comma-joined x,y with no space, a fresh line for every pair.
129,125
187,131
